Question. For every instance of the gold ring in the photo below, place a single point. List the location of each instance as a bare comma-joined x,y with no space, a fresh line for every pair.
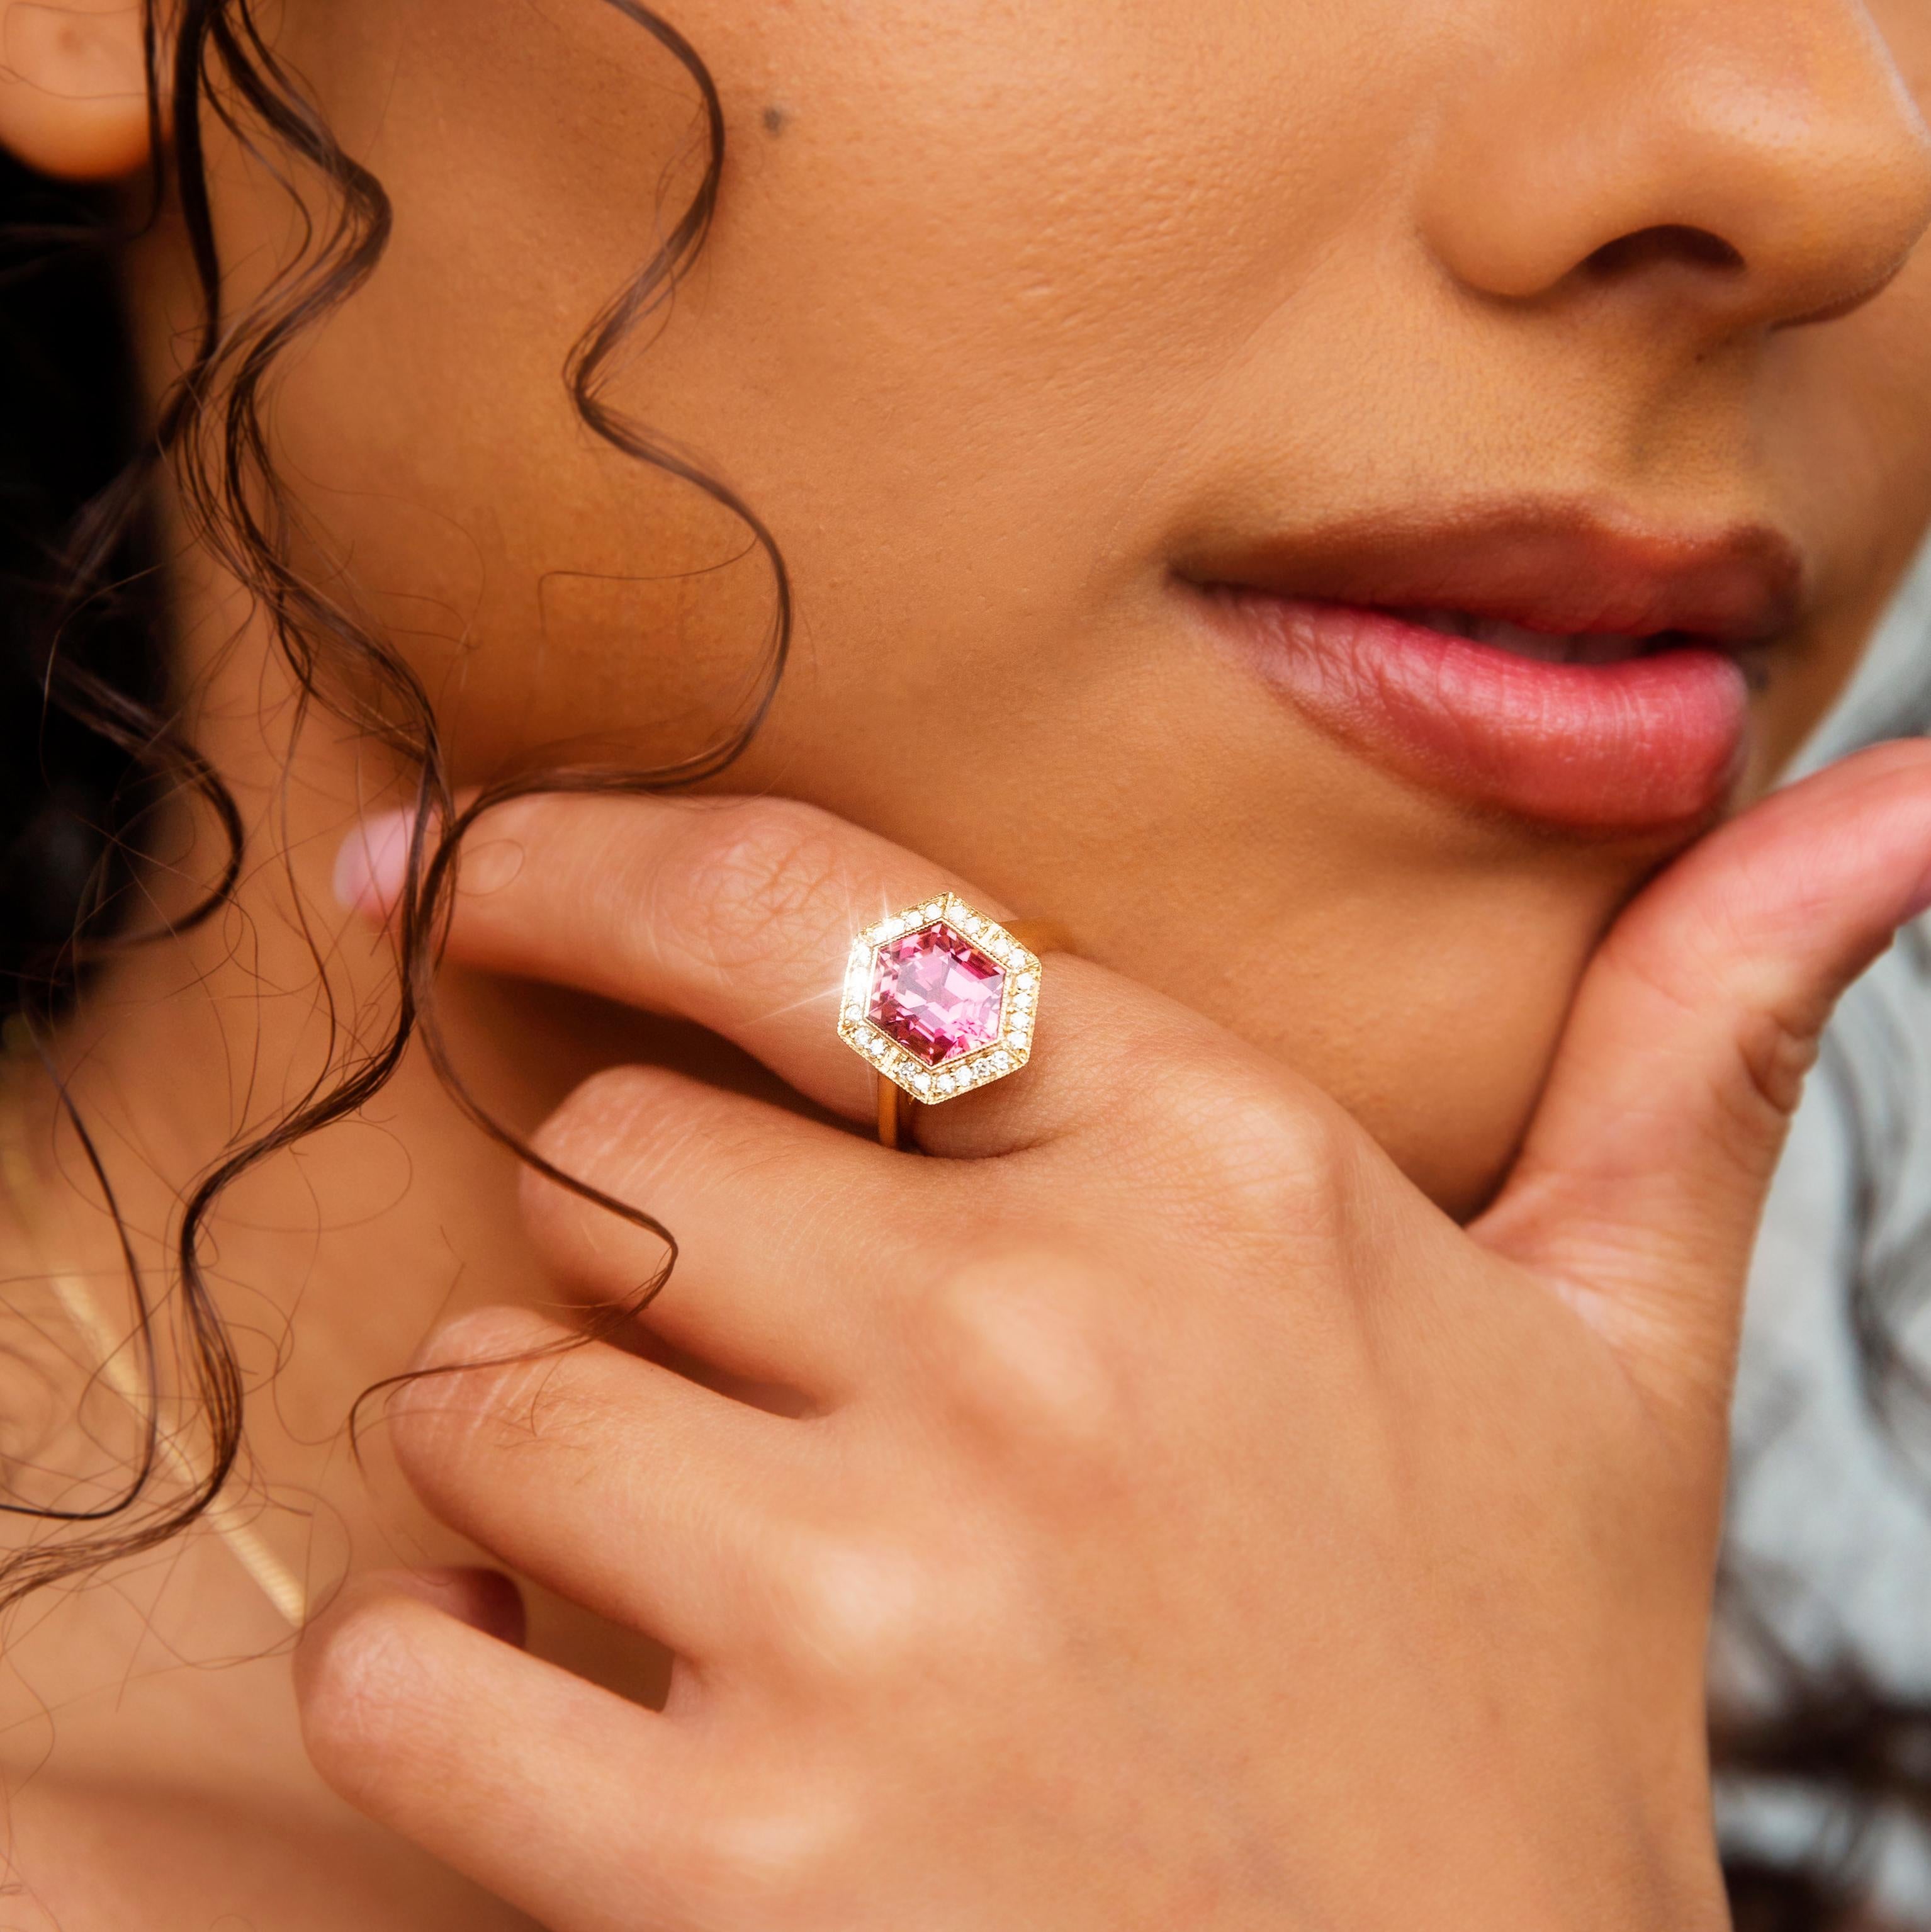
942,999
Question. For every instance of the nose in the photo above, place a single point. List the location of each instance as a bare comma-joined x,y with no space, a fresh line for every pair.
1761,162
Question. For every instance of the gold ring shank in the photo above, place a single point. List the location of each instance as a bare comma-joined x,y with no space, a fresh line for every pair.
896,1108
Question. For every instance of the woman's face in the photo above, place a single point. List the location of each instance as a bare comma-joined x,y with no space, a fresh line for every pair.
1102,368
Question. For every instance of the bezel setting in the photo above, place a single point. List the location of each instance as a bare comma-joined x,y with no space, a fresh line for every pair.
1008,1050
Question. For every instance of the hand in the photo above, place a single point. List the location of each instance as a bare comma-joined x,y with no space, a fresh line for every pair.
1190,1526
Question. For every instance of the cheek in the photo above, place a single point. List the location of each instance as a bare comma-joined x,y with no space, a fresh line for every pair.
919,340
560,598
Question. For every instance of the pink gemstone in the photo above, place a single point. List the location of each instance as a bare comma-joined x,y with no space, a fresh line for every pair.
936,994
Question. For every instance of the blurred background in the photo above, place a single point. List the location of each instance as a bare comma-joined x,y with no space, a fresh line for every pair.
1823,1652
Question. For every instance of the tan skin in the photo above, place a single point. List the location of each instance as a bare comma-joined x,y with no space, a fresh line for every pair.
1011,313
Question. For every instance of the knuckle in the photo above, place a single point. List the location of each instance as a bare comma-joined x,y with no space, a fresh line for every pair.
745,868
491,1380
624,1127
1025,1346
617,1131
1776,1051
633,1134
784,1859
610,1107
1775,1036
482,1337
356,1676
1259,1158
859,1608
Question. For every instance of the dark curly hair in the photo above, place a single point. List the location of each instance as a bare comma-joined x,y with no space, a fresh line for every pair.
103,756
94,755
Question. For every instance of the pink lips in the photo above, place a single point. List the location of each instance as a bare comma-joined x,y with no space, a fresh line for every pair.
1650,742
1643,742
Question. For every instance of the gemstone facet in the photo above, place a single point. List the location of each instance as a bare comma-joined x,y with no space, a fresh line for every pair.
939,999
936,994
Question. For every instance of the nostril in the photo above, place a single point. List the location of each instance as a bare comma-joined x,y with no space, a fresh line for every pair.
1669,242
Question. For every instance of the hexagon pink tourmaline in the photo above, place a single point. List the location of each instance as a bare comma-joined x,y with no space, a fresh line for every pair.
936,994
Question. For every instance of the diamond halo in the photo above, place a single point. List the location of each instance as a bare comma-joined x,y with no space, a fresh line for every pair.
940,999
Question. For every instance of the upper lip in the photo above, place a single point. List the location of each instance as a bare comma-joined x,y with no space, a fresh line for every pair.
1562,569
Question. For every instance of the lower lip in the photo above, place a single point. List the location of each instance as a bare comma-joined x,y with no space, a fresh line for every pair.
1650,742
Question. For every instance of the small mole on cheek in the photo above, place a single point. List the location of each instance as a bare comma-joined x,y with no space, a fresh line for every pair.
774,119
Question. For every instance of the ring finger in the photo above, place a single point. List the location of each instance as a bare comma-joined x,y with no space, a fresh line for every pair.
739,914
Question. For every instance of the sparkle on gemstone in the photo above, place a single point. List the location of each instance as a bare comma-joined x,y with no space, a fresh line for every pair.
936,994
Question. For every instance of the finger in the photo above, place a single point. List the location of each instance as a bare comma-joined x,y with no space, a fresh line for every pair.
574,1805
485,1599
619,1484
791,1236
1645,1169
740,914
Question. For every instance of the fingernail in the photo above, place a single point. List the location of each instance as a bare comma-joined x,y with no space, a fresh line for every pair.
370,868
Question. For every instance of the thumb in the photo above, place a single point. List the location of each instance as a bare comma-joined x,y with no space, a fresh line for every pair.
1640,1184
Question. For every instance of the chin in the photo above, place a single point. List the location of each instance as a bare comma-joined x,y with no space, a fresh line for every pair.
1459,1155
1437,1038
